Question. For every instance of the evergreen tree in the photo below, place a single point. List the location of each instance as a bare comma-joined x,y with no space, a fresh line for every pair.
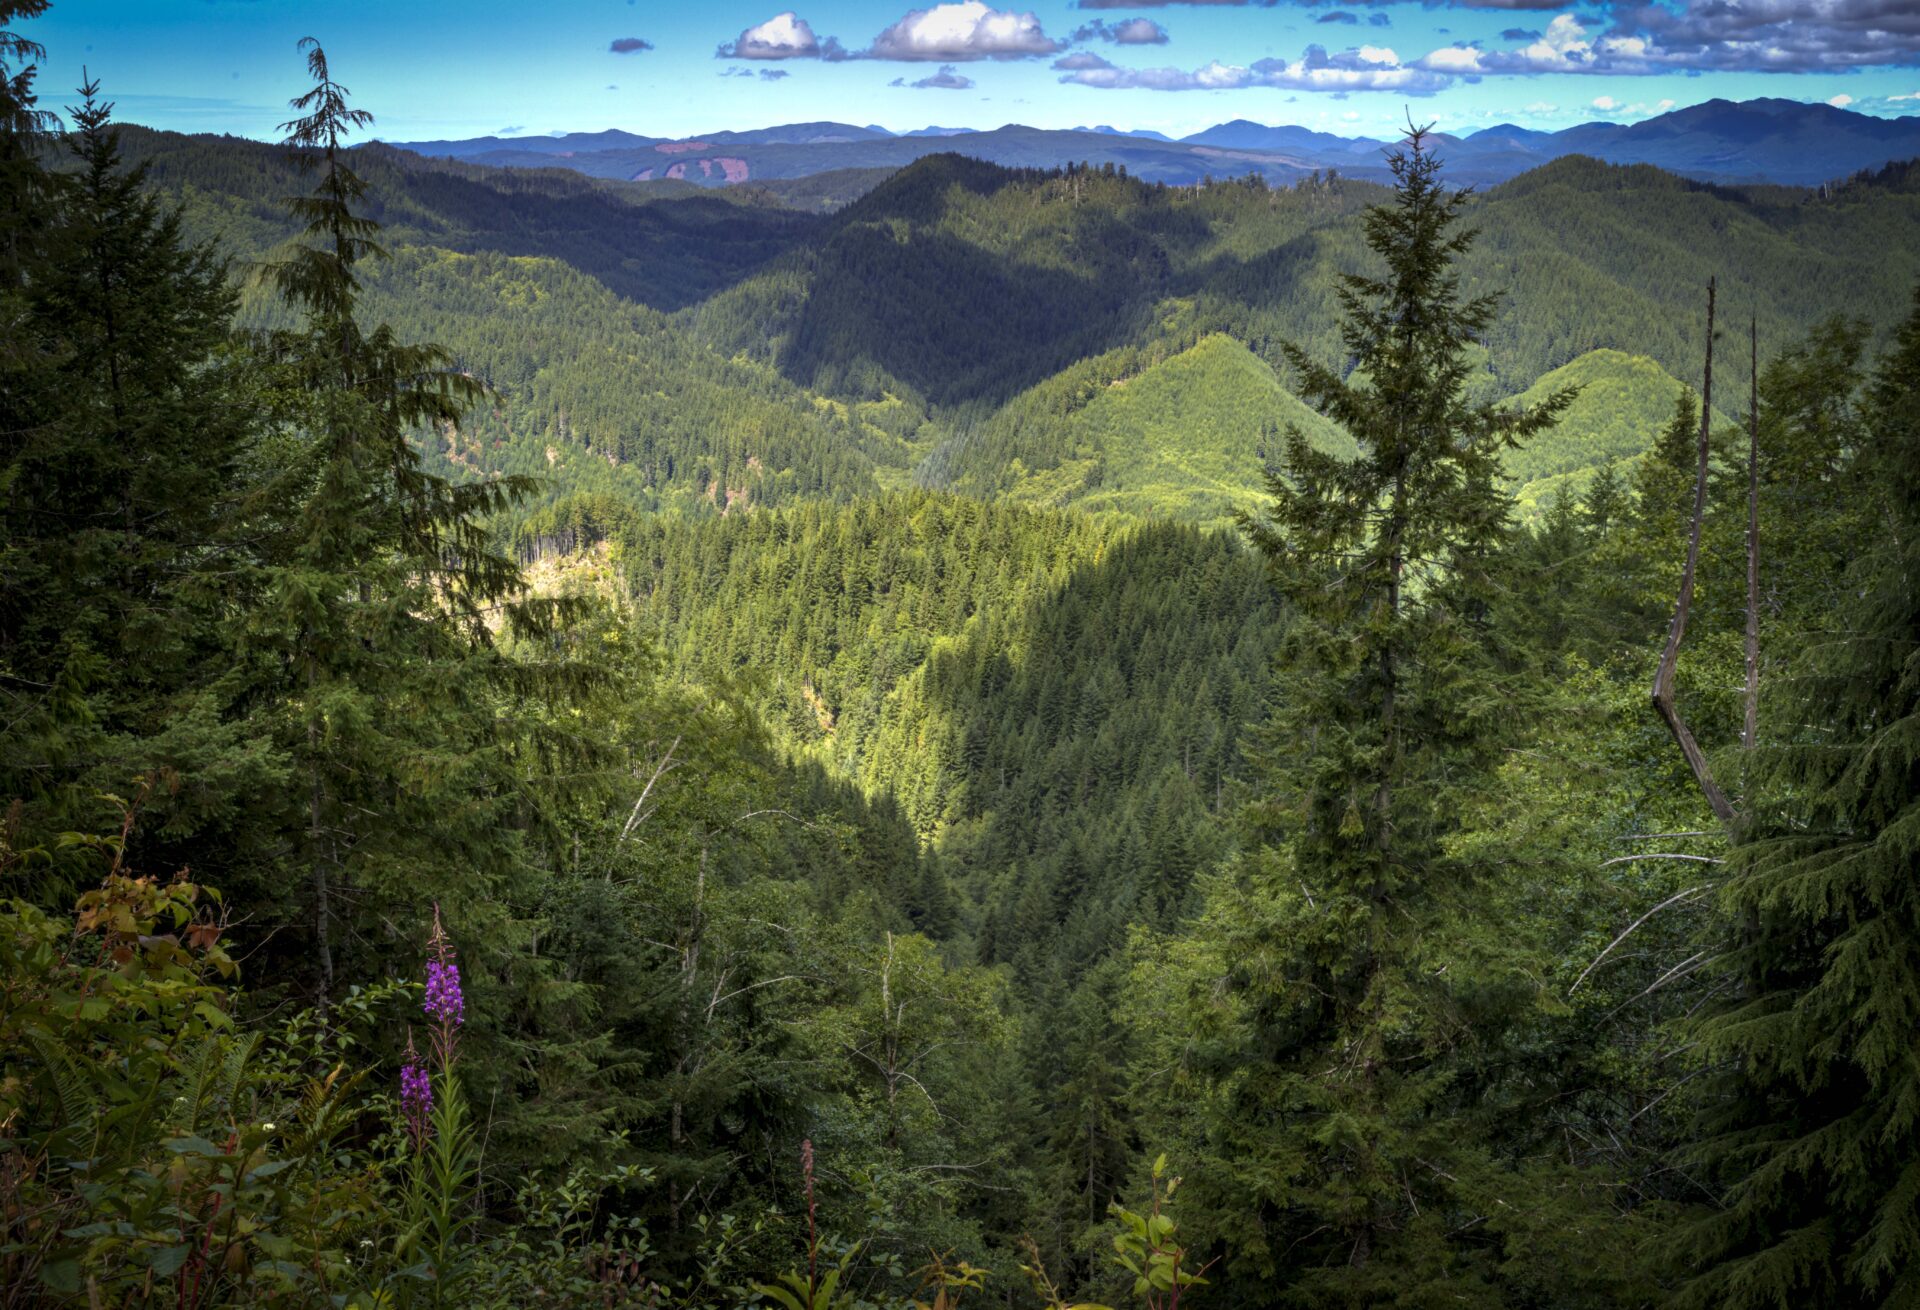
374,645
127,418
1340,1166
1815,1132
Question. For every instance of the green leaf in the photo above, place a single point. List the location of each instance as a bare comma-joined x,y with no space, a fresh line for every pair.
62,1276
782,1295
193,1146
166,1261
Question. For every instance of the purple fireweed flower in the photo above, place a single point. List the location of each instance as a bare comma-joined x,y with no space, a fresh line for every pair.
416,1096
445,1003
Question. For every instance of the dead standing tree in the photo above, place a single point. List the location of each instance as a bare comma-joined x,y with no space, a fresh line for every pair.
1663,679
1750,730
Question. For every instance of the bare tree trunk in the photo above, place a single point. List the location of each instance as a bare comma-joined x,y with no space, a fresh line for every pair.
1663,678
316,810
1750,732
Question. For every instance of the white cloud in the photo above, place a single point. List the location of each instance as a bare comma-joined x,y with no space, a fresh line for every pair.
1841,101
784,36
1457,59
1368,68
1605,104
1081,61
948,33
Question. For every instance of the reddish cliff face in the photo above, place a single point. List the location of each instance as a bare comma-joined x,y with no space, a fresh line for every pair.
727,167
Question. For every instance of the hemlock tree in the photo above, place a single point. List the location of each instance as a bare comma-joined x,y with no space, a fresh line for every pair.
373,643
1814,1134
1340,1164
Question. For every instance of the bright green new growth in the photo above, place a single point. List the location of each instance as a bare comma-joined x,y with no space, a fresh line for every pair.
1623,400
1191,436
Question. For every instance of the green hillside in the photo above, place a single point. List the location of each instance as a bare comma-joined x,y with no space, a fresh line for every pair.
1190,436
1623,403
961,284
1054,700
697,351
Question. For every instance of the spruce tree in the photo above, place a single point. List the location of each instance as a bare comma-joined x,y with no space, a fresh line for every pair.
1813,1135
1338,1164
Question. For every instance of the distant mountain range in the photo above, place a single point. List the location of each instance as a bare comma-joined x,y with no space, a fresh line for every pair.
1766,140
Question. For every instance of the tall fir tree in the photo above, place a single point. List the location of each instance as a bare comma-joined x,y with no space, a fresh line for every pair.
374,646
127,420
1813,1135
1341,1159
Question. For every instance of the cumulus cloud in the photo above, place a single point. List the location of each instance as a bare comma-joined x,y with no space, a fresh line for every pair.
1841,101
784,36
1367,68
629,45
1269,4
1642,36
1777,35
1785,36
1162,4
1627,37
773,74
1128,31
1605,104
1565,47
967,30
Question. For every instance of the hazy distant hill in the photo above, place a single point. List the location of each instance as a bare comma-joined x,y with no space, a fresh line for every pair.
1757,140
1754,140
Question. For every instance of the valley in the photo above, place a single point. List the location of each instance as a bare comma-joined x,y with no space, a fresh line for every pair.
821,719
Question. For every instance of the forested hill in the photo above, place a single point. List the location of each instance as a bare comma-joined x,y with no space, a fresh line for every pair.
585,745
713,348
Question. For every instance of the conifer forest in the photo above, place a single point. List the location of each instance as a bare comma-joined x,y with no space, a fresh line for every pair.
1009,733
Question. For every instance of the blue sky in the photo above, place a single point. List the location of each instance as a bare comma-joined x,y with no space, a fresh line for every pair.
455,68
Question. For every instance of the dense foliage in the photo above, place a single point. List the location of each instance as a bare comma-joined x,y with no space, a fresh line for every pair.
753,774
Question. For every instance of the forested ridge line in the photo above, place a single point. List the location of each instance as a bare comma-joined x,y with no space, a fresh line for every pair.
899,333
862,899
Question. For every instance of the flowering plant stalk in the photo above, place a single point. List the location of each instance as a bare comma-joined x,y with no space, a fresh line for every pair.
416,1096
443,1167
446,1004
